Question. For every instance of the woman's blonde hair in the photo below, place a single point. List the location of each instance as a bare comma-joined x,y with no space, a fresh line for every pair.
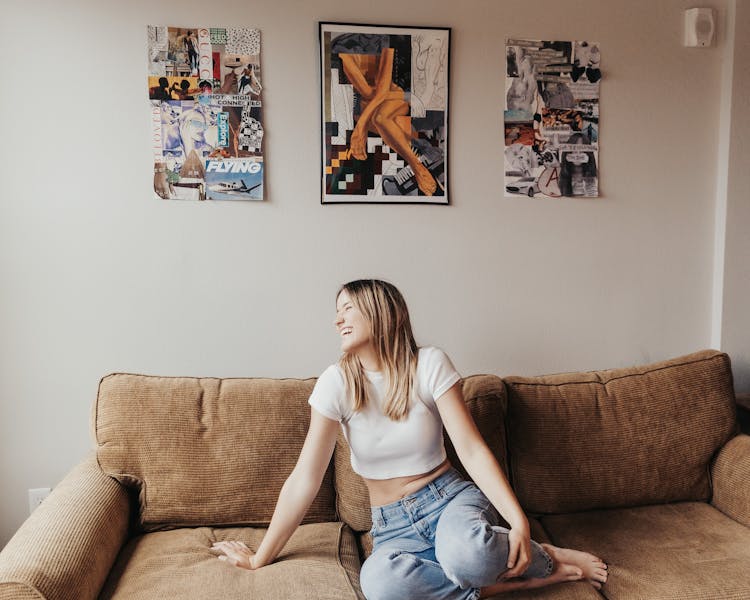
390,329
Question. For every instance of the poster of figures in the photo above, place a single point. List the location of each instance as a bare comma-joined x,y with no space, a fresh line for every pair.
552,119
204,90
384,101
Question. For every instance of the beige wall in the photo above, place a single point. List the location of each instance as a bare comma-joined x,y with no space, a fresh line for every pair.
99,277
735,296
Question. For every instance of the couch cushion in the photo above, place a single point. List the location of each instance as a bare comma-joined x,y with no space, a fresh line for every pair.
623,437
485,397
730,475
319,562
205,451
681,551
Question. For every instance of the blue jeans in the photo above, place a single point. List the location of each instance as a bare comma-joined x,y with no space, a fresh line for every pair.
442,542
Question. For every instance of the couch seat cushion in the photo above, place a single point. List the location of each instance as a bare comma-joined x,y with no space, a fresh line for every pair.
579,590
320,561
681,551
626,437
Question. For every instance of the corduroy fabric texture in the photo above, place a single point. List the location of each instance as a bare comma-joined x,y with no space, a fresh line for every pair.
578,590
65,549
205,451
364,542
624,437
731,479
319,562
679,551
486,399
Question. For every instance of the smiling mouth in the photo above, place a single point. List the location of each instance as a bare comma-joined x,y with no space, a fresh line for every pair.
346,331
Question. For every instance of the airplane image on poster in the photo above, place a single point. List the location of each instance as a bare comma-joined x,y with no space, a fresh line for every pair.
233,187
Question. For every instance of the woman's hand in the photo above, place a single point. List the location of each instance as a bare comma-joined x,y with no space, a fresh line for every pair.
519,553
236,553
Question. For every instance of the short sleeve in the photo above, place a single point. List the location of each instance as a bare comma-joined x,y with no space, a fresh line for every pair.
329,395
439,373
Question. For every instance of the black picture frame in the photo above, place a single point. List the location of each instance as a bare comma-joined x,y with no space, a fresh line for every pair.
384,106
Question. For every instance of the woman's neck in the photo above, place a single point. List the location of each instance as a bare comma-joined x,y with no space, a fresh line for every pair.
369,359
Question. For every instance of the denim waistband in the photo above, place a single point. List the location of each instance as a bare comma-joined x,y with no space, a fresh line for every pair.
435,490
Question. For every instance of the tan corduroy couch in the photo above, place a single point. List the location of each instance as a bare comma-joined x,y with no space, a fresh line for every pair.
641,466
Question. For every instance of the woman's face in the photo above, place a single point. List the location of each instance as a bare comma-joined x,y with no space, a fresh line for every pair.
352,326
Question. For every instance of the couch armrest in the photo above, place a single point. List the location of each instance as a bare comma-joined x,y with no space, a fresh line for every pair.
67,547
730,474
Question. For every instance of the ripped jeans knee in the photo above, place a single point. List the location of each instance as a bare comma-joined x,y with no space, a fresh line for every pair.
392,574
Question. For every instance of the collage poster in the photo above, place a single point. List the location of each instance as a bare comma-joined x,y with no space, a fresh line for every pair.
384,113
552,119
206,112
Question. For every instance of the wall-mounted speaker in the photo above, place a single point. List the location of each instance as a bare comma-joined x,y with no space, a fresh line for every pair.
699,27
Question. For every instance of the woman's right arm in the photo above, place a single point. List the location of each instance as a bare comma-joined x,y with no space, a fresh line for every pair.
295,497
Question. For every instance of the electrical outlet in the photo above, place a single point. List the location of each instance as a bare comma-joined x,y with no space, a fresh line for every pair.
36,496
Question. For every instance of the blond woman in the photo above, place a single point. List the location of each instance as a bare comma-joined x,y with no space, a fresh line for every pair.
435,534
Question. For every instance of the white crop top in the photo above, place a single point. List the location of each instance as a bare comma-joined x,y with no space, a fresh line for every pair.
382,448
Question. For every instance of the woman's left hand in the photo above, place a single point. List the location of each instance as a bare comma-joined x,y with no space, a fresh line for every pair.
519,552
235,553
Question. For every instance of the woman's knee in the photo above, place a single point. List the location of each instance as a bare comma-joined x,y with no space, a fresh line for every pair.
389,575
381,574
472,556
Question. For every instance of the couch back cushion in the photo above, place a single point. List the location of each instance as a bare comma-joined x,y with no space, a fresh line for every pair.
485,397
205,451
624,437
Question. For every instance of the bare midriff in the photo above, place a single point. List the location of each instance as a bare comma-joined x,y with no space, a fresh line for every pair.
385,491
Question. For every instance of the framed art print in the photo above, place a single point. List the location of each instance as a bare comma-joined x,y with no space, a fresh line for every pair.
384,114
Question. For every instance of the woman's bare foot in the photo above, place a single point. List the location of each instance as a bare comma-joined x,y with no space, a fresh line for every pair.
594,569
